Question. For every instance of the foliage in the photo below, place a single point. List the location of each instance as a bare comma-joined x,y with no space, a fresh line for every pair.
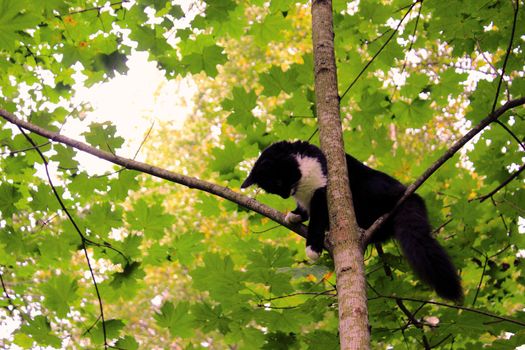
409,89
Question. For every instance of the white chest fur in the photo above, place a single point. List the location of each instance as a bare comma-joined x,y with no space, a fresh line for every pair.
312,178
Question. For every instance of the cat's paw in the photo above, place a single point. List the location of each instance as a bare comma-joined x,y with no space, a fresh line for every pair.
292,218
312,254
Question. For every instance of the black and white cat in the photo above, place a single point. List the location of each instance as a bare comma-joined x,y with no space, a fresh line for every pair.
299,169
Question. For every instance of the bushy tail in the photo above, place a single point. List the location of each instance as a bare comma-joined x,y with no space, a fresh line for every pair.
428,259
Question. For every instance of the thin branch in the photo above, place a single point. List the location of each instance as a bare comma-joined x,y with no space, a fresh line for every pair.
500,123
380,49
412,319
184,180
82,237
12,153
106,245
313,134
507,54
97,8
503,184
480,280
436,165
413,39
386,267
437,229
7,296
329,292
452,306
134,157
144,139
442,341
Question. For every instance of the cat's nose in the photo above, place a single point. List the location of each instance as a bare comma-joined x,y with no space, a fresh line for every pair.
247,183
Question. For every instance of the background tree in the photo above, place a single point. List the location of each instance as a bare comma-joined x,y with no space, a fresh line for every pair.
81,255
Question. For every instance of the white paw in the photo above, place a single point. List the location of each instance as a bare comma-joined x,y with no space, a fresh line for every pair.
292,218
312,254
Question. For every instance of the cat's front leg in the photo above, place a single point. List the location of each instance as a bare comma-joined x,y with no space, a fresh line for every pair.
297,215
318,224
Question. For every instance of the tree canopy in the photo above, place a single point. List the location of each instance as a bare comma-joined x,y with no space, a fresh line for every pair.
430,91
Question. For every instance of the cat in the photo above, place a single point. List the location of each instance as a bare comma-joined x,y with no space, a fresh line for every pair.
299,169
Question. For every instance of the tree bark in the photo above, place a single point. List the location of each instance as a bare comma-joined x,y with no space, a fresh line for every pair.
344,236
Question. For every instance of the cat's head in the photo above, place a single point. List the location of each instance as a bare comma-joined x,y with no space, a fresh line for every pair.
276,170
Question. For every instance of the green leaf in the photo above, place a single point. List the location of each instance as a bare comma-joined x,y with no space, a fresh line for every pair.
86,186
23,340
128,279
123,184
127,343
102,136
177,319
112,63
39,329
227,158
281,341
101,218
15,16
176,11
150,219
112,328
217,9
64,156
208,205
242,105
10,196
270,29
187,246
59,293
276,81
414,114
320,339
43,199
206,60
219,278
210,318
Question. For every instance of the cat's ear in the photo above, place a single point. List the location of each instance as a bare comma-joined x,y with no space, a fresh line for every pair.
248,182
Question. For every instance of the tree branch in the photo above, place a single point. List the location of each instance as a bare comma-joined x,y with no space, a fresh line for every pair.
432,169
452,306
184,180
344,235
503,184
6,294
410,7
83,238
412,319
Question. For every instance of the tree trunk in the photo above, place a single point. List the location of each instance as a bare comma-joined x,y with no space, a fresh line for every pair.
344,233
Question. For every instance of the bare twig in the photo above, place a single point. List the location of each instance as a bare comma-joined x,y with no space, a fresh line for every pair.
6,294
480,280
82,237
413,39
503,184
97,8
436,165
507,54
329,292
12,153
437,229
500,123
380,49
412,319
452,306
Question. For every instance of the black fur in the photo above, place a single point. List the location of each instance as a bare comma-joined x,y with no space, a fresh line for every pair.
374,193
